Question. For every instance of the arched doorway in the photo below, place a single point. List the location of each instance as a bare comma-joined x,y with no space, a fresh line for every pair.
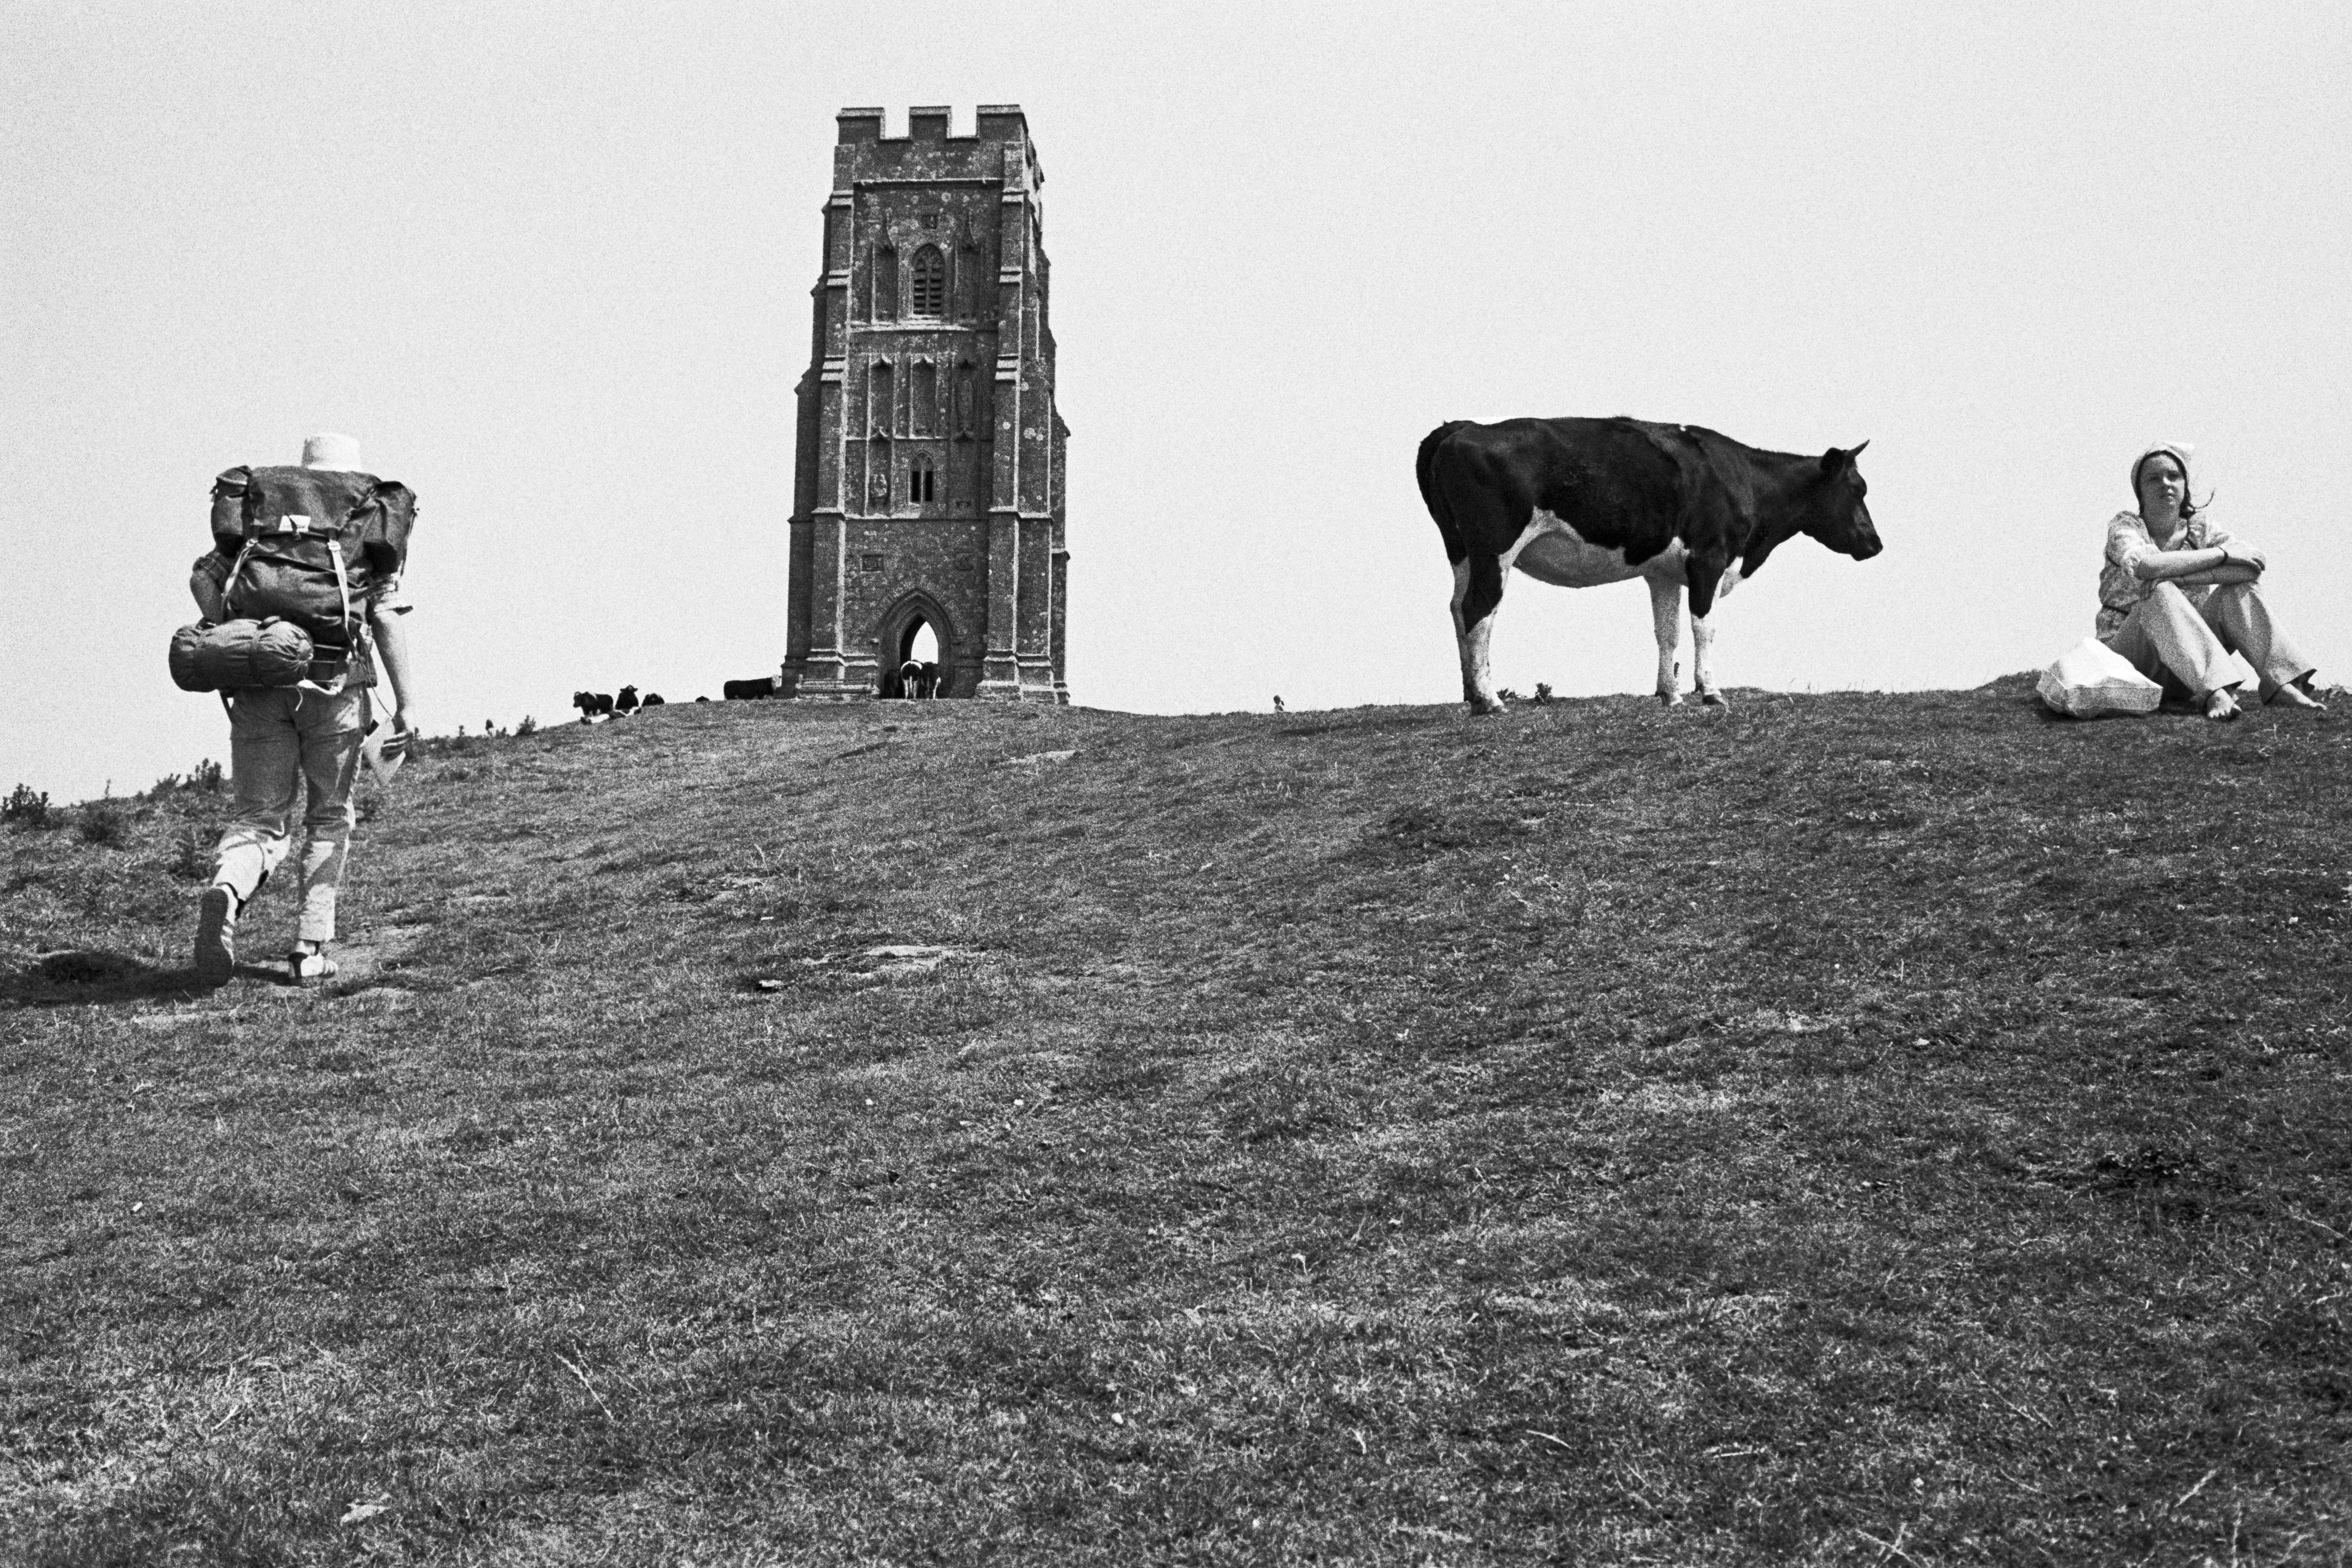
911,653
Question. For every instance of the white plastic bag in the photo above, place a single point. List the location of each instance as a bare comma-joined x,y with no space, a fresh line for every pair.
2091,680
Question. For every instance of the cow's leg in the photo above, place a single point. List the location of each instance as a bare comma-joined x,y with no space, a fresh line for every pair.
1477,592
1703,659
1706,575
1666,619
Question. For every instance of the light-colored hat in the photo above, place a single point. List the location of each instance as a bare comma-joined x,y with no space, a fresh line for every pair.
329,449
2177,451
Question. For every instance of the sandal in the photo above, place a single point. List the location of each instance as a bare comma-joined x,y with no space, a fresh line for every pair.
310,968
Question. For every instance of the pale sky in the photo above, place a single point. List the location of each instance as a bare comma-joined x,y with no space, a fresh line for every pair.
551,266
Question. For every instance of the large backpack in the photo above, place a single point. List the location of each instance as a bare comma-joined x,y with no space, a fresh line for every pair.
309,545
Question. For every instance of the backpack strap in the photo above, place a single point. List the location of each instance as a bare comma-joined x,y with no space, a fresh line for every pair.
351,649
230,580
342,588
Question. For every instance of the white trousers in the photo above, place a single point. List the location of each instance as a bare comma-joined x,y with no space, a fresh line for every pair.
2188,633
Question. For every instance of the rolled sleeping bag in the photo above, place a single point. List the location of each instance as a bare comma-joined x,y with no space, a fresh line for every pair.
240,655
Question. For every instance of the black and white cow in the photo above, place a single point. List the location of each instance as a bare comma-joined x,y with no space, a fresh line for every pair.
593,706
626,703
1581,502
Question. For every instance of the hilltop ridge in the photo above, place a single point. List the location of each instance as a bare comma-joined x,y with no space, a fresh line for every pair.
833,1130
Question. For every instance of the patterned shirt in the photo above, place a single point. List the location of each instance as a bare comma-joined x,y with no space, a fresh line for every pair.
2128,543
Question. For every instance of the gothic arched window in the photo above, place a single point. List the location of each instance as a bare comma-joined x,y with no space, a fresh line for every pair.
923,479
885,284
929,295
964,399
879,400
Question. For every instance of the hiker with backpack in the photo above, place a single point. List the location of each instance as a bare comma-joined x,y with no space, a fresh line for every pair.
301,602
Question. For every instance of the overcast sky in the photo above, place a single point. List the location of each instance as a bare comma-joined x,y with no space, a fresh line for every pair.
550,265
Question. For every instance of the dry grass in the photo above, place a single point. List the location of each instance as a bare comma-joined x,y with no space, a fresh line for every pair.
1845,1129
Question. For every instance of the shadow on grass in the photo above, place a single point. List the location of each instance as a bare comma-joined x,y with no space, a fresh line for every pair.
90,974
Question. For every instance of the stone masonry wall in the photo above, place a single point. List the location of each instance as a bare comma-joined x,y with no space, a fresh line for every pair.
928,448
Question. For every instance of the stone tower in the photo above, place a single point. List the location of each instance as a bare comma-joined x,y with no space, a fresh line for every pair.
928,471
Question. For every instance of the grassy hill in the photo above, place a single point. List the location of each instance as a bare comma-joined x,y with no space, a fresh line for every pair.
1846,1128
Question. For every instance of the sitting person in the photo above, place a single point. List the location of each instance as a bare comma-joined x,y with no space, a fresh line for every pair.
2177,596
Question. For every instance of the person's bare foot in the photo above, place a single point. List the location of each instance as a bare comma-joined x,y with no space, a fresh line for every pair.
2220,706
2294,695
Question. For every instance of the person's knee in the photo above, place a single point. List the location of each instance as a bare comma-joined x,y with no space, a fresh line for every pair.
331,821
2167,596
260,819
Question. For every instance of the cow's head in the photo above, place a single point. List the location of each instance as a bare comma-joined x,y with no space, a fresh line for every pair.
1840,517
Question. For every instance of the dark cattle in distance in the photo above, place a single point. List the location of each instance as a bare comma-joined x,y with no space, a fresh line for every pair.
627,701
654,699
593,706
746,691
1581,502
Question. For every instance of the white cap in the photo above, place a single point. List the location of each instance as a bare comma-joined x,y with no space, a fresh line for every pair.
2177,451
329,450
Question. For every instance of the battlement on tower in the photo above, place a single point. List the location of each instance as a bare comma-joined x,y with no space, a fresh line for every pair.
997,145
930,122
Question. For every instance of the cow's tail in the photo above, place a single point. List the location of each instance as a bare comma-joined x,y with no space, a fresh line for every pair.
1433,495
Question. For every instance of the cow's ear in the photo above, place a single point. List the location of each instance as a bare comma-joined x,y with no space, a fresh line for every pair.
1832,460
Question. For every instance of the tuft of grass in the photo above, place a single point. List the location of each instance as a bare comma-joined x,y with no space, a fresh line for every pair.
1839,1128
105,822
28,807
206,777
192,851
